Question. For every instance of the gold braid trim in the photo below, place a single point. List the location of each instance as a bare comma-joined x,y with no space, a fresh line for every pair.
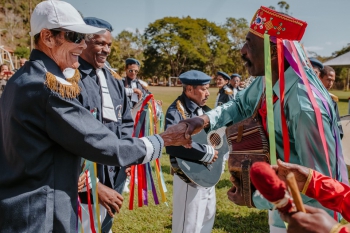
228,91
180,108
334,97
336,228
114,74
306,185
64,90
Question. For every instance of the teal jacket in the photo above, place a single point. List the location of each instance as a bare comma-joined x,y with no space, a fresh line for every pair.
305,141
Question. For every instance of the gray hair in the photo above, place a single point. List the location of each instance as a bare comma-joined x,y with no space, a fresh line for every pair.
88,37
184,86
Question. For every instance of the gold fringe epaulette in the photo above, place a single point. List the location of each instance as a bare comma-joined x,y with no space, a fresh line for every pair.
228,91
180,108
114,74
64,90
334,97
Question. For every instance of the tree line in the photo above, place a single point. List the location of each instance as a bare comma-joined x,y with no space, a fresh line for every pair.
172,45
166,48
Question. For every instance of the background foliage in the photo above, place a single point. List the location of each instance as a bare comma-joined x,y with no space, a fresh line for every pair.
166,48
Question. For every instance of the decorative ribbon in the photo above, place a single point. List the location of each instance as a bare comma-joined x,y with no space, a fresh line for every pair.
92,227
313,102
269,103
285,135
145,124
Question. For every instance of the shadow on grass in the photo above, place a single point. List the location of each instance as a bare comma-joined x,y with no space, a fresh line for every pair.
166,169
253,222
224,183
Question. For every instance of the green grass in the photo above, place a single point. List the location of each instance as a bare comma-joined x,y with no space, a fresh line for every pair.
343,101
157,218
229,217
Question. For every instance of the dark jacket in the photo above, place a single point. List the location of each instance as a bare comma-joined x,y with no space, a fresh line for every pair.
172,117
224,97
43,137
127,83
90,98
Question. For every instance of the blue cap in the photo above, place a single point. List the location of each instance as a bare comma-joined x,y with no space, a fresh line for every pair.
224,75
316,63
100,23
131,61
235,75
194,77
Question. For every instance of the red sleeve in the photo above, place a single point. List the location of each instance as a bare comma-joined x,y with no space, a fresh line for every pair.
345,229
330,193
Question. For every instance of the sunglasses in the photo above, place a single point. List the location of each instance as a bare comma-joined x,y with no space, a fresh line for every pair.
74,37
132,71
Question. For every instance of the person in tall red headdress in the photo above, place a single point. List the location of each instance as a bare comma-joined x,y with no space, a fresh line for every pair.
300,126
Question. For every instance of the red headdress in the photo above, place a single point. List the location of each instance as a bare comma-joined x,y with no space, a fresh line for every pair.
268,21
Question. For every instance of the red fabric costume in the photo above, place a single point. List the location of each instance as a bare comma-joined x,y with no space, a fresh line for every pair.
330,193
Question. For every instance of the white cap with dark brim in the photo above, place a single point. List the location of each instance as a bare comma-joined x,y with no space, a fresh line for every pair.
59,14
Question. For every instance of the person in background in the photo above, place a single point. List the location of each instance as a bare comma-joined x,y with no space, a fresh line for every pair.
327,76
316,65
193,207
234,84
225,92
135,89
22,61
5,74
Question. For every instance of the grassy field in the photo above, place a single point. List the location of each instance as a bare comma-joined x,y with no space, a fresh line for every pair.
229,217
157,218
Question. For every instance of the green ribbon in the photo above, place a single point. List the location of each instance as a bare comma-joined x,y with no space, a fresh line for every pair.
269,102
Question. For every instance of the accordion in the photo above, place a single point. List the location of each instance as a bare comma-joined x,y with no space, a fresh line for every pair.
247,144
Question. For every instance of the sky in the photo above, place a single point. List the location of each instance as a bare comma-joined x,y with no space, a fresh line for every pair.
327,29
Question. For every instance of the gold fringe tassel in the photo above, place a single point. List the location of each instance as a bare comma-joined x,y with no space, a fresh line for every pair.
64,90
181,109
114,74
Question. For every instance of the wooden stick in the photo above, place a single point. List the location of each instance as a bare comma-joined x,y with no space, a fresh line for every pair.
292,184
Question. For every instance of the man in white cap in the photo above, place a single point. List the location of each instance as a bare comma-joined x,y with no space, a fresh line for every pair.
45,130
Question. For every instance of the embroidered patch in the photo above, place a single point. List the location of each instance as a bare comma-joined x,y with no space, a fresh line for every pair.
119,109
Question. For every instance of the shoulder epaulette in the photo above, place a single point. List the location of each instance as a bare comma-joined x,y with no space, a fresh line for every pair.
114,74
228,90
66,88
334,97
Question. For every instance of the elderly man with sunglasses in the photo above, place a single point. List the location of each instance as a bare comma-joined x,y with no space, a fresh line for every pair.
45,130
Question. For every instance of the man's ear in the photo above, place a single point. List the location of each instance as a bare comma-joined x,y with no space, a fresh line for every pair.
47,38
273,49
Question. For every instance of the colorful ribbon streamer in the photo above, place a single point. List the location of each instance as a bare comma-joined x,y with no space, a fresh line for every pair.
269,101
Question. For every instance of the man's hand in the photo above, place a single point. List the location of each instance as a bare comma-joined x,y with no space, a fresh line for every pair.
159,102
301,173
81,182
175,136
234,193
195,125
109,198
315,220
215,156
138,92
128,171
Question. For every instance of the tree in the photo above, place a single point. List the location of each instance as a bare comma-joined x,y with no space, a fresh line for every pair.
237,30
180,44
284,6
126,44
